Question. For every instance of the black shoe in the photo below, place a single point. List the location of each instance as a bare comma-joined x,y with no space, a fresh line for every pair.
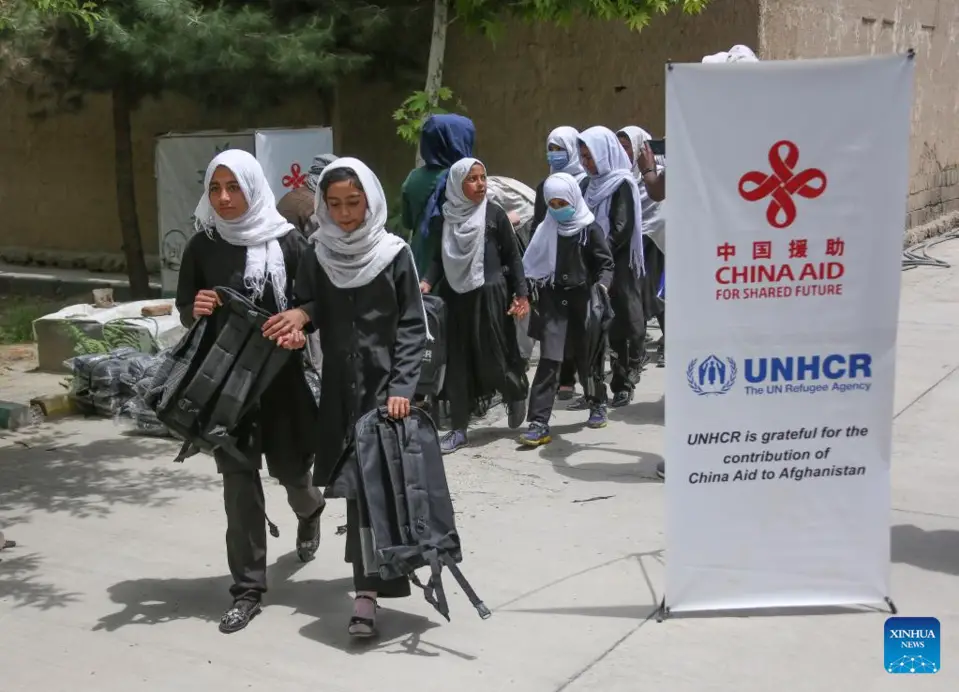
239,616
581,404
516,411
622,398
661,470
308,536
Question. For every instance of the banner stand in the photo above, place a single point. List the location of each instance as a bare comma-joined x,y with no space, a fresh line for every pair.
663,613
714,491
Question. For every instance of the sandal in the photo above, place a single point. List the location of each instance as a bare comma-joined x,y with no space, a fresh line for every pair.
363,628
239,616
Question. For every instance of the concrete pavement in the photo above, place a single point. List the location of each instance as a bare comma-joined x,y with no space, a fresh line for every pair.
119,575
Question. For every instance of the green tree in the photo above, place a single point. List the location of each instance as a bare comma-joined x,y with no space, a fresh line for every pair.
489,17
13,12
235,54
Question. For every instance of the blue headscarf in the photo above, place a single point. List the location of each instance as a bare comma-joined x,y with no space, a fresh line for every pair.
445,140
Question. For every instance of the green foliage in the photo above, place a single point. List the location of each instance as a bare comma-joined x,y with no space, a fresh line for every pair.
416,110
14,12
489,15
240,55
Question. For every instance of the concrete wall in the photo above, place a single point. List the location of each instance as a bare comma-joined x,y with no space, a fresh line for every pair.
820,28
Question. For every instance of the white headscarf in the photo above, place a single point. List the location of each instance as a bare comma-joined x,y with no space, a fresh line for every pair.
464,232
539,260
565,137
738,53
654,220
354,259
613,169
258,230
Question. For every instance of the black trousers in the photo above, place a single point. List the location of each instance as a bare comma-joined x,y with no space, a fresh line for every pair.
384,588
627,363
246,526
542,392
567,373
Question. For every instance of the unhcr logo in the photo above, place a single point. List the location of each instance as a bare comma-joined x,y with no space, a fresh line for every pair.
711,375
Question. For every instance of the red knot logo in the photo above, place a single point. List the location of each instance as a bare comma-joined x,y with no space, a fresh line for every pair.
295,179
782,184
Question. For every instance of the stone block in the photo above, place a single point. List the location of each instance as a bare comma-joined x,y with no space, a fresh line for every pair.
14,416
55,405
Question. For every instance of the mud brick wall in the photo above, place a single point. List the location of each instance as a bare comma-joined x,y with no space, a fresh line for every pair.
57,198
820,28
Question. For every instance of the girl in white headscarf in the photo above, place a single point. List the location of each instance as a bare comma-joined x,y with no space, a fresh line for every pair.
360,290
634,141
613,197
562,154
566,258
479,273
244,244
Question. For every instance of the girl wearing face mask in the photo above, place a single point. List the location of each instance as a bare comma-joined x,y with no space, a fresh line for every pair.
245,244
568,254
613,197
479,271
360,290
562,154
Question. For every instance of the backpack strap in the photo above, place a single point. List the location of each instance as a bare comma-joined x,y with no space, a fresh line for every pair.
433,590
460,578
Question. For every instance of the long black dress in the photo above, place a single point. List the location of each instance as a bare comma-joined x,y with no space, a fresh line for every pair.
281,428
483,351
628,331
372,338
558,321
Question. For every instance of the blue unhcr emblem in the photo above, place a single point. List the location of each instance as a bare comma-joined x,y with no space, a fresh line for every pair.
712,375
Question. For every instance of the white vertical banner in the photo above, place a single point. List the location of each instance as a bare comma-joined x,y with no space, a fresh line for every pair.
286,155
181,161
787,202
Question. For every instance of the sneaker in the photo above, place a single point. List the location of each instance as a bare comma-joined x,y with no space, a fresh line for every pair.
597,417
308,536
581,404
536,436
516,413
566,393
453,440
239,615
661,470
622,398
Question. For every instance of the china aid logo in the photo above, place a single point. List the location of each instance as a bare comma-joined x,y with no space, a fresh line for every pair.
782,183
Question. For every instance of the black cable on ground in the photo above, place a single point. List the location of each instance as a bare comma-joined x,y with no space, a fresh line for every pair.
918,254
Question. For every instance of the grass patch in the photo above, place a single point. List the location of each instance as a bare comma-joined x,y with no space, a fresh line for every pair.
17,314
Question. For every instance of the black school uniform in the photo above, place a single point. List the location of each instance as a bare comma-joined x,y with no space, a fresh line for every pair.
567,373
559,319
279,428
373,338
627,334
483,355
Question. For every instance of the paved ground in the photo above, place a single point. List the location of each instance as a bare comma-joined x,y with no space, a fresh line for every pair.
120,573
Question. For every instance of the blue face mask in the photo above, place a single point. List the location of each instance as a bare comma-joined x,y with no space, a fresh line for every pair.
557,159
563,214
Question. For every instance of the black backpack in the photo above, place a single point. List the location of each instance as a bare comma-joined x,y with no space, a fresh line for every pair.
433,369
405,504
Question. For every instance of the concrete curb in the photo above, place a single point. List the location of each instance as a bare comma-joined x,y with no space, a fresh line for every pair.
937,227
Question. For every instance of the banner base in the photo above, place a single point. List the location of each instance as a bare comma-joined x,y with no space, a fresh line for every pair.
663,612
